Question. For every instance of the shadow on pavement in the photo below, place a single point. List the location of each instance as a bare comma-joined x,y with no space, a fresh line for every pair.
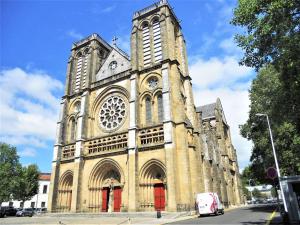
262,208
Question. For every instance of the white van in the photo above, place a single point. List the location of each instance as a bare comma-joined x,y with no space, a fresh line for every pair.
209,203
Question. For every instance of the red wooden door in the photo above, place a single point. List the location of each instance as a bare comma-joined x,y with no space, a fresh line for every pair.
117,199
105,193
159,197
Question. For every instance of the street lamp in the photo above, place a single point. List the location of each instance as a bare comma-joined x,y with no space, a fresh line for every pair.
275,157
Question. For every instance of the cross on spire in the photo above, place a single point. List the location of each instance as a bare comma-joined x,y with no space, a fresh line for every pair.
114,41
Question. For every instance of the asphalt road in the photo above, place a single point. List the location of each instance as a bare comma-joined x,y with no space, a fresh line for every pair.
256,214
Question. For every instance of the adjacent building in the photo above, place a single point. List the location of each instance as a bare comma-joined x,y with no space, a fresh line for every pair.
129,137
40,200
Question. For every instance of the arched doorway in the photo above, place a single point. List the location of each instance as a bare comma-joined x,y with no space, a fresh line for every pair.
64,197
153,186
105,187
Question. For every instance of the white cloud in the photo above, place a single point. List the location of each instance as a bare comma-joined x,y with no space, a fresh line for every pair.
217,72
29,107
217,77
230,47
108,9
74,34
28,152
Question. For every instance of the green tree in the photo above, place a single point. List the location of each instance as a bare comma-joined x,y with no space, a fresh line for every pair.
266,97
272,37
17,182
27,184
9,171
271,46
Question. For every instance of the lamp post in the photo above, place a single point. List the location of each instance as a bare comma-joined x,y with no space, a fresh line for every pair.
250,191
275,157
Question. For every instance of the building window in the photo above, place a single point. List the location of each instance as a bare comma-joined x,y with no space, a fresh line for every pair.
78,73
43,204
45,189
21,204
160,110
32,204
72,129
157,41
10,204
148,110
146,45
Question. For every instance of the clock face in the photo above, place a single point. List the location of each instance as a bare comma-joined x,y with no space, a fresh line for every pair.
113,65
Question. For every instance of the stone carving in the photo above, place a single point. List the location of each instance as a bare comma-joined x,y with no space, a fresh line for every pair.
152,82
112,113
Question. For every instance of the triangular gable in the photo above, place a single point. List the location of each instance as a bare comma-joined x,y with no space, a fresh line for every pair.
115,63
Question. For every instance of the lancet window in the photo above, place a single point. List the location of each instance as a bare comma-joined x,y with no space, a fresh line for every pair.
160,110
148,110
157,41
146,45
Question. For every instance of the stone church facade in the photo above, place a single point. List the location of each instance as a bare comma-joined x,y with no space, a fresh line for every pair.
129,137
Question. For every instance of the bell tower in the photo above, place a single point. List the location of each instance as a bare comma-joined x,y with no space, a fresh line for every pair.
86,58
158,50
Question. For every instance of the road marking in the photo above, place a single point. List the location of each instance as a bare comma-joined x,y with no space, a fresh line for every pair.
271,217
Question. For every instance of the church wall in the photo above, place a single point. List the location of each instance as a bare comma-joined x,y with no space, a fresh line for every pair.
89,166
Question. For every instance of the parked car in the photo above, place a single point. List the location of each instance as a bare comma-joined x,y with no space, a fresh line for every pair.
9,210
25,212
209,203
2,212
41,210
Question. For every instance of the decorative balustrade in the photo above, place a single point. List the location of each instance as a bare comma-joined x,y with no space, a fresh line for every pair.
68,151
105,144
151,136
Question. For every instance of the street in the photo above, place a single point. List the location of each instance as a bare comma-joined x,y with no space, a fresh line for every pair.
255,214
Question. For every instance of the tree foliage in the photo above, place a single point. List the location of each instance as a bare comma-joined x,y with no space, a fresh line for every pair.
265,96
271,46
17,182
27,184
9,170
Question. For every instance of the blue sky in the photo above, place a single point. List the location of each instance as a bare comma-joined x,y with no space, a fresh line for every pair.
36,38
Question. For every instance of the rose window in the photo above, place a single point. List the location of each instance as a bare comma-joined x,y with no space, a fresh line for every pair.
152,82
112,113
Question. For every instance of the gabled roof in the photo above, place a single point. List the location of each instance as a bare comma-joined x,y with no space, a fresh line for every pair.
122,64
208,111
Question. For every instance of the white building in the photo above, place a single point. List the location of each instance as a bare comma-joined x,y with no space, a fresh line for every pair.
40,200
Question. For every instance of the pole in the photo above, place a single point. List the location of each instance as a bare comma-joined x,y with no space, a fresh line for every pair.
276,163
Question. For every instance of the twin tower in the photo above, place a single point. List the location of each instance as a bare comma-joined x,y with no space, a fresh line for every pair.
129,137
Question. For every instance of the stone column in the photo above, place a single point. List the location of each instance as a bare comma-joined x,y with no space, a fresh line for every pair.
53,189
78,154
132,146
168,138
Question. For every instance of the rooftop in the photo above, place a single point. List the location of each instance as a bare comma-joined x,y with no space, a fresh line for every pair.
45,176
208,111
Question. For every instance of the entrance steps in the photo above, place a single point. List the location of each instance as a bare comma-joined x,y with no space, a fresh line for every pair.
164,214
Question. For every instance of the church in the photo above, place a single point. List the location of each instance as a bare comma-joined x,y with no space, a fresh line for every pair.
129,137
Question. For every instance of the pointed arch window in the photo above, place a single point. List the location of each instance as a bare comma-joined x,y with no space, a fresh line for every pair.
78,72
157,48
73,123
146,45
148,110
160,109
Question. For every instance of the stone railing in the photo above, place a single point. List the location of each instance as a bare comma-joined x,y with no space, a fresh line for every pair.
106,144
151,136
68,151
